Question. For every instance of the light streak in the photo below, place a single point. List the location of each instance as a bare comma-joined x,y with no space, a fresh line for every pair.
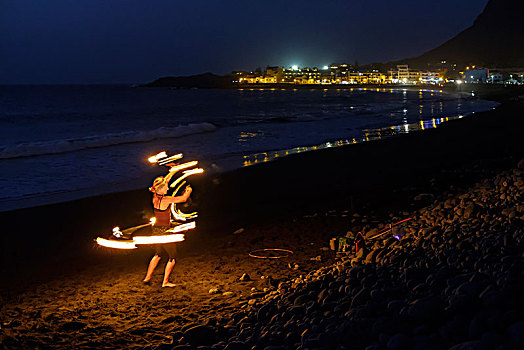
172,238
183,227
186,174
170,159
115,244
183,166
156,157
162,158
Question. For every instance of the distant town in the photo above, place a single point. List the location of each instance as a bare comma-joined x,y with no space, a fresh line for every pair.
351,74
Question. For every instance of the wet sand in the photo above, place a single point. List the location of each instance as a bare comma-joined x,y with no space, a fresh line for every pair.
58,290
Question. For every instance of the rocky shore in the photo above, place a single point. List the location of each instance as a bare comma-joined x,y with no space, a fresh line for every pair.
454,280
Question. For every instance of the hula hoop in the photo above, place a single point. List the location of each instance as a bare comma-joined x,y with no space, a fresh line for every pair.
253,254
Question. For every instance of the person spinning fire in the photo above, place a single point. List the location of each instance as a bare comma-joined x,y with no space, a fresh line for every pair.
161,203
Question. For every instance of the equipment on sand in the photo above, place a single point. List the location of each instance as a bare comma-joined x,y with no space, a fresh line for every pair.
388,228
270,253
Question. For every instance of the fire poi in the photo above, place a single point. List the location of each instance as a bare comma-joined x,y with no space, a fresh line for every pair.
142,234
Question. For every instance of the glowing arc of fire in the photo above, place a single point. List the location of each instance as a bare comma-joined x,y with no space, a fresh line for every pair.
115,244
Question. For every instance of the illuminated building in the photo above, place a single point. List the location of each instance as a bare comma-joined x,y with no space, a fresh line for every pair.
305,75
475,75
404,75
496,78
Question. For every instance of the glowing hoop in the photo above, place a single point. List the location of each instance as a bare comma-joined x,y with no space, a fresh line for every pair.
255,253
115,244
177,184
176,237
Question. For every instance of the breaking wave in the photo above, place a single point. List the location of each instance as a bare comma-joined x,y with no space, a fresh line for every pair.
97,141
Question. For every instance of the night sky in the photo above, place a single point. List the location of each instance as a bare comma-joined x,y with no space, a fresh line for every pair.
135,41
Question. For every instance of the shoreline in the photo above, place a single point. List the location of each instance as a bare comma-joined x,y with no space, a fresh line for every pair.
39,200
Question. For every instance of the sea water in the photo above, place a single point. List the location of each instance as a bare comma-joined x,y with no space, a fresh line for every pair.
59,143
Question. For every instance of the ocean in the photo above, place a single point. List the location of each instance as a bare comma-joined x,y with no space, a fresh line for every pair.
60,143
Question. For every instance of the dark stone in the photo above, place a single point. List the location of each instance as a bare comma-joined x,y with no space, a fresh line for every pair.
469,345
516,333
263,313
73,326
201,335
182,347
421,343
169,319
490,340
425,308
360,298
245,277
302,299
236,345
398,342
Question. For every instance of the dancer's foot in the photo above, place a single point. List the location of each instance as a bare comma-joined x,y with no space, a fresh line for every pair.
146,281
168,284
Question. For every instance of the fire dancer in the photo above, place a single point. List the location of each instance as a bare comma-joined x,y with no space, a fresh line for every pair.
161,204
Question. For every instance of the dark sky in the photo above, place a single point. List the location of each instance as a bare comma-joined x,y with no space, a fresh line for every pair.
135,41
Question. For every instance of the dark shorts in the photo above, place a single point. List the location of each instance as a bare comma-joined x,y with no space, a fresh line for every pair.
169,248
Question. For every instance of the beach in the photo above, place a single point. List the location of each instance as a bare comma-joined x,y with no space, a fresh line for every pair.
59,290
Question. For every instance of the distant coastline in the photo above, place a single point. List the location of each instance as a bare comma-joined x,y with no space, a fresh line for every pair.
212,81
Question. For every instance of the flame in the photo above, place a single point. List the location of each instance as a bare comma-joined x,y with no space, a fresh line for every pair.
152,220
186,174
166,238
183,227
193,171
156,157
176,237
170,159
115,244
183,166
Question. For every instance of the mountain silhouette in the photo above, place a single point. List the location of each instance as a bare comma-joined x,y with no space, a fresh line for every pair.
495,40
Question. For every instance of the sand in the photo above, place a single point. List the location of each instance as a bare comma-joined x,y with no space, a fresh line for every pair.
59,290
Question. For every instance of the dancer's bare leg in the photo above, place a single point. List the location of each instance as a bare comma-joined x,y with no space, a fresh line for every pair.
151,268
169,267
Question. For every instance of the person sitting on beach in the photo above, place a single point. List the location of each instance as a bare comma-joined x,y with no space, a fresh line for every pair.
161,204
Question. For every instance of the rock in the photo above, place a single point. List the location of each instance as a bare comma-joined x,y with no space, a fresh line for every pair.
240,230
236,345
469,345
515,333
169,319
214,291
398,342
73,326
200,335
182,347
477,326
228,294
423,309
245,277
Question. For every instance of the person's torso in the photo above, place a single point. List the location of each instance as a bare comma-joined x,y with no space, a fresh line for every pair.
163,216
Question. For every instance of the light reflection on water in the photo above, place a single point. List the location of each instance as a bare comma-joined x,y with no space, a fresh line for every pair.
367,135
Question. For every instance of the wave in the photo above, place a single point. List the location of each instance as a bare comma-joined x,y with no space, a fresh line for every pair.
97,141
